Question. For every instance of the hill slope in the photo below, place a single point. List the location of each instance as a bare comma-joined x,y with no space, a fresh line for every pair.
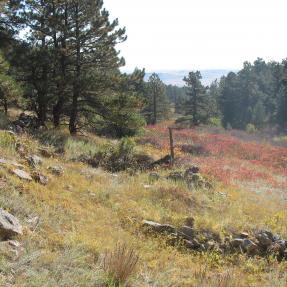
80,213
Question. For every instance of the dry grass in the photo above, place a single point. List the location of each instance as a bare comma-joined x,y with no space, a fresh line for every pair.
87,211
120,264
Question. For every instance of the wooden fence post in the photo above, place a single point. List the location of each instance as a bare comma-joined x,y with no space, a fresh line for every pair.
171,146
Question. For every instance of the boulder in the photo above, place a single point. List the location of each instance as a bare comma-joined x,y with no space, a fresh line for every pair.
191,170
45,152
22,174
237,242
265,238
192,244
163,161
11,249
244,235
40,178
249,246
56,170
34,160
160,228
186,232
175,176
9,225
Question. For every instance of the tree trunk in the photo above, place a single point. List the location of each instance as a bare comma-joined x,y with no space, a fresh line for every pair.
57,112
76,92
5,104
154,109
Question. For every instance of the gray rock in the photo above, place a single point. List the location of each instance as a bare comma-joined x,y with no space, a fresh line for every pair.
186,232
45,152
237,242
244,235
9,225
22,174
249,246
34,160
56,170
160,228
192,244
11,249
40,178
264,238
175,176
190,171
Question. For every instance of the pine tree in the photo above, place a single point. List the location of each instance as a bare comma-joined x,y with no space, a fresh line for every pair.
197,101
158,106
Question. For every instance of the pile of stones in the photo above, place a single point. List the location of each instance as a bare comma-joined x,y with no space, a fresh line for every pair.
261,242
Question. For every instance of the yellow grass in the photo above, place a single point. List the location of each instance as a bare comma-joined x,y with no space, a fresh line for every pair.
87,211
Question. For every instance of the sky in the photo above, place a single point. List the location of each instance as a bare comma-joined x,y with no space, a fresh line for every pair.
200,34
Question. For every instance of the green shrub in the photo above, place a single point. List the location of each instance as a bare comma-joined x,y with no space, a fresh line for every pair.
215,122
250,128
121,156
4,122
79,149
7,140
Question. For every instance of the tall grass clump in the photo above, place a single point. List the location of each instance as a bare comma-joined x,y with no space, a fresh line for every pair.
119,265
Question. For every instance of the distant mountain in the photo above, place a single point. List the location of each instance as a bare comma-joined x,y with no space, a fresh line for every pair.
175,77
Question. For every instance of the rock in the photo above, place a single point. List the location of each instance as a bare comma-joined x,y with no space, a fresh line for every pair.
163,161
56,170
9,225
143,161
175,176
186,232
33,221
189,221
9,162
154,176
21,149
265,238
278,247
45,152
160,228
192,244
11,249
42,179
34,161
210,245
237,242
249,246
190,171
244,235
22,174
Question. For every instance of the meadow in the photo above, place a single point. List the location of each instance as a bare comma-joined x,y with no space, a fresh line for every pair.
84,213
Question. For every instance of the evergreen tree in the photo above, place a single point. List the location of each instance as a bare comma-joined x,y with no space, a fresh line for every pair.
197,101
158,106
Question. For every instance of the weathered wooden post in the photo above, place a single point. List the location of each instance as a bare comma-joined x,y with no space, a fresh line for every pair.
171,146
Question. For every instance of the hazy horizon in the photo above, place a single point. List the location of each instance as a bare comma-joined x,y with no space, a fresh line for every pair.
199,35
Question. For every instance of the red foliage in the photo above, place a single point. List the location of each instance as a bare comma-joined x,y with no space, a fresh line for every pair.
228,158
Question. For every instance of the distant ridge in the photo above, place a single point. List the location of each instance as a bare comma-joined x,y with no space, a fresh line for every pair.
175,77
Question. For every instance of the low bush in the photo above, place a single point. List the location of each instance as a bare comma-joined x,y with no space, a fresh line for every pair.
121,156
4,122
250,128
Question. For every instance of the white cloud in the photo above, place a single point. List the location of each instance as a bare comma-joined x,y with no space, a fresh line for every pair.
200,34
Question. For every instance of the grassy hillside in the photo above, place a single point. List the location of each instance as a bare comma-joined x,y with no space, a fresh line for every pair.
70,223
